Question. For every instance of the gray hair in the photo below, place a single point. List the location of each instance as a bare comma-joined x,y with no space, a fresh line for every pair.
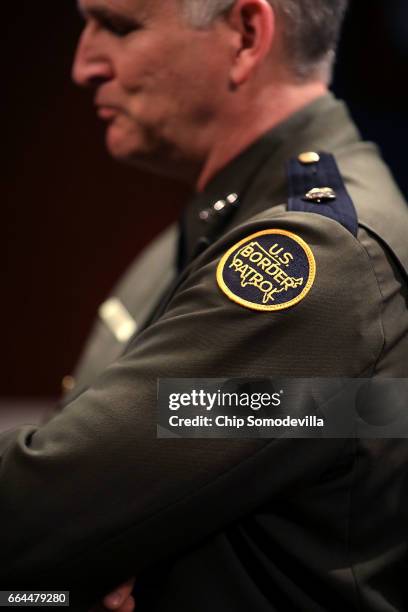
311,29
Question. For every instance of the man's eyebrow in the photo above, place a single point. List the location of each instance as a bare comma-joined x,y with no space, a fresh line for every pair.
101,12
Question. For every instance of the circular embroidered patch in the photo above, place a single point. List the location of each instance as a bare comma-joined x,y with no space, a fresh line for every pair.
270,270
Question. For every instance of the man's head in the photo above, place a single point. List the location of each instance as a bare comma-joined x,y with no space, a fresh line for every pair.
310,29
183,81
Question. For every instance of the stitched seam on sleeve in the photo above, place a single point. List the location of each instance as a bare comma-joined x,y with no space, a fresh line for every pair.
381,352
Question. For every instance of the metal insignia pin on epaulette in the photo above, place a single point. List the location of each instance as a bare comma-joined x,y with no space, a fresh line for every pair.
319,195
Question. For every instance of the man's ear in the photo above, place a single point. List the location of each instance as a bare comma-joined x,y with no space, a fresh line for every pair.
254,21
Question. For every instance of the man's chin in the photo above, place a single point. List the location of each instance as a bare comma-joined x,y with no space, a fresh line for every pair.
151,156
118,148
131,157
134,151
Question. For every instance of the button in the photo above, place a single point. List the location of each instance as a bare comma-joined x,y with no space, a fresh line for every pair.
309,157
68,383
320,194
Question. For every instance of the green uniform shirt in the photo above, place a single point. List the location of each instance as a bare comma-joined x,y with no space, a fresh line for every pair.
92,497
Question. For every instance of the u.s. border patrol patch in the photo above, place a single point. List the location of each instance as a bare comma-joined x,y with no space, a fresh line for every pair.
270,270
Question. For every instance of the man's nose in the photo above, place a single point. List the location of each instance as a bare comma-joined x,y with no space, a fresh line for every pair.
91,63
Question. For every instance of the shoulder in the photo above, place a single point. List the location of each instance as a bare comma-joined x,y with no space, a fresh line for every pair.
298,282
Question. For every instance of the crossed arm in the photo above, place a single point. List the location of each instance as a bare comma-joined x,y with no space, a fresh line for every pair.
95,484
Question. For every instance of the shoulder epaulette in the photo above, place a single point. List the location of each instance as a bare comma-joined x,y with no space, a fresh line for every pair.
316,185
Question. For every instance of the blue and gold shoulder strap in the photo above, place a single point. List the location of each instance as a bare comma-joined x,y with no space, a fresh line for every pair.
316,185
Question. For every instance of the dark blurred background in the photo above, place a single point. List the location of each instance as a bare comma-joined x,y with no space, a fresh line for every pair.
72,219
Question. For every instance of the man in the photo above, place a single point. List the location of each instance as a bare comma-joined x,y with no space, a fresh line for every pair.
225,95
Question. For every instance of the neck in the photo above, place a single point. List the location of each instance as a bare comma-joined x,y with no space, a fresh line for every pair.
238,132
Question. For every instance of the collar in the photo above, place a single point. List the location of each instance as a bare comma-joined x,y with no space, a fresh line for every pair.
256,179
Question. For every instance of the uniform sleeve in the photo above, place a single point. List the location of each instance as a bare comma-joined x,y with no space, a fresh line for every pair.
93,496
